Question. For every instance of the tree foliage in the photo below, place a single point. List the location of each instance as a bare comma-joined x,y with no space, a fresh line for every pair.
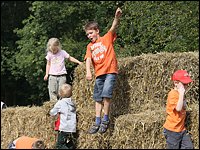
145,27
155,26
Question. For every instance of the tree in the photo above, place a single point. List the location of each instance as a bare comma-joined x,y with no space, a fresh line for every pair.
155,26
145,27
12,14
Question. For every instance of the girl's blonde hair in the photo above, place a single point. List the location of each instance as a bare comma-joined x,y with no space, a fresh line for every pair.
53,42
65,91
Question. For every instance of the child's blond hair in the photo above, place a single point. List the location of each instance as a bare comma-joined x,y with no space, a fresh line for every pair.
65,91
53,42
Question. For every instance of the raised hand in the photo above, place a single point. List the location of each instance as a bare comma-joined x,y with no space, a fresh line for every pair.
118,12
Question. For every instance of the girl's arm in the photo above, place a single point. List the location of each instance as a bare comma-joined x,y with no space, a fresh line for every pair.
47,70
72,59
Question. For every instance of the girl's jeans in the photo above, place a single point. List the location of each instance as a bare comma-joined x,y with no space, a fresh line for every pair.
54,84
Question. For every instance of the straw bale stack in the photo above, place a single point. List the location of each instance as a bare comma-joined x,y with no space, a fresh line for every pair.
139,131
142,80
86,118
192,123
146,80
137,110
145,130
142,84
82,89
30,121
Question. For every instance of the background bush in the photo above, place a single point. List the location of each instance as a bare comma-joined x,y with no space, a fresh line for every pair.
145,27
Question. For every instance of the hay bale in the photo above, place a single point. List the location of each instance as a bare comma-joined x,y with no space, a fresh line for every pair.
82,88
142,80
146,80
30,121
145,130
86,117
141,88
139,131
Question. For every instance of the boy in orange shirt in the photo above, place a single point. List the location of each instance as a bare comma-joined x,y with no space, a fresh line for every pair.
177,137
25,142
100,52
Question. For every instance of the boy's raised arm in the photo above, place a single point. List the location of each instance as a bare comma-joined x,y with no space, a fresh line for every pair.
116,20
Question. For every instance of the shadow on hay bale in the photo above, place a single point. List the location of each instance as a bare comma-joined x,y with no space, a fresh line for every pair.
140,91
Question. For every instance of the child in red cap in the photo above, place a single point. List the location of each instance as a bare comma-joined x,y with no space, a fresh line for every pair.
177,137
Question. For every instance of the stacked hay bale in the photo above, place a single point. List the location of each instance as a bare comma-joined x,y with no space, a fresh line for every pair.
30,121
142,85
145,80
88,141
137,110
139,131
144,130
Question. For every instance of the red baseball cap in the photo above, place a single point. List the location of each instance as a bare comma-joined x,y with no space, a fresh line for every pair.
182,76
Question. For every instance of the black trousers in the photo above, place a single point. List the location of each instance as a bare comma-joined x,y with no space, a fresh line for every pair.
65,140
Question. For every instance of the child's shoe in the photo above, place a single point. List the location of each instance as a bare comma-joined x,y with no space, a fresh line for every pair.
103,127
94,129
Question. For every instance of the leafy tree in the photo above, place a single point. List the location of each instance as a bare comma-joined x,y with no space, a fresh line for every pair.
12,13
63,22
145,27
154,26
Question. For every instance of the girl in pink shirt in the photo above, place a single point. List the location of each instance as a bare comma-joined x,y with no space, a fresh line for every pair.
55,67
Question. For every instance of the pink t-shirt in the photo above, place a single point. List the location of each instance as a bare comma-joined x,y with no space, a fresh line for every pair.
57,62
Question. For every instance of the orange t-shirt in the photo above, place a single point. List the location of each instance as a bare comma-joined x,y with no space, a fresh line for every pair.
25,142
175,120
103,55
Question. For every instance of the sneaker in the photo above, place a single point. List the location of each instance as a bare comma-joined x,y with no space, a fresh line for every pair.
94,129
104,126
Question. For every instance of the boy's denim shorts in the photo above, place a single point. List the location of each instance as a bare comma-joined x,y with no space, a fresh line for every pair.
104,86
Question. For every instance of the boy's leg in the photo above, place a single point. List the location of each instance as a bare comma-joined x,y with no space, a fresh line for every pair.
108,91
52,86
61,141
98,109
173,139
71,141
107,95
95,127
186,141
98,104
106,108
